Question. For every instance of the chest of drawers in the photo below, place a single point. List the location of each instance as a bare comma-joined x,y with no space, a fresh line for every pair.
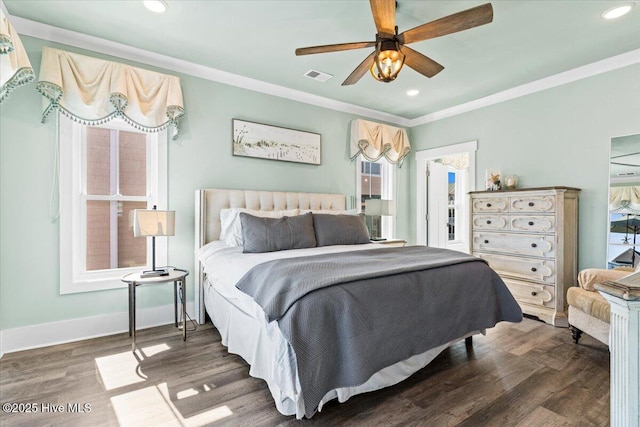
529,237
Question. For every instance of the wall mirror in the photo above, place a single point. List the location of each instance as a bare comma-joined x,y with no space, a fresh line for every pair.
624,202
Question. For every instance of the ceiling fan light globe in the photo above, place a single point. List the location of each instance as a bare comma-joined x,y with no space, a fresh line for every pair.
387,63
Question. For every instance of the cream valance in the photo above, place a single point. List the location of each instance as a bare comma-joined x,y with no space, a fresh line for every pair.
625,200
458,161
15,68
94,91
375,140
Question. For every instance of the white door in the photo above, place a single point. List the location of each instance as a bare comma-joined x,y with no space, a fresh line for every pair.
426,217
448,207
437,194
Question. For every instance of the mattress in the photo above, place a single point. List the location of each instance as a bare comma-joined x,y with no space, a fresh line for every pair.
245,331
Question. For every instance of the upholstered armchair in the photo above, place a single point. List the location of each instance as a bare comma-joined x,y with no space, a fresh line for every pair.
588,311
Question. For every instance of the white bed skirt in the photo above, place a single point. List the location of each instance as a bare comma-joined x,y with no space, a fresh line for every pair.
245,332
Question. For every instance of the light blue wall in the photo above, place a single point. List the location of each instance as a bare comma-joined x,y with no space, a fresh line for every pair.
200,158
559,136
556,137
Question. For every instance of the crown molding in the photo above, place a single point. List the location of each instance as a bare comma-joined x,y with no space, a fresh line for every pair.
589,70
39,30
96,44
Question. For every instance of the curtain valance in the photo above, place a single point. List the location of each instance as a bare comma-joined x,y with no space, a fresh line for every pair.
94,91
15,68
625,200
375,140
457,161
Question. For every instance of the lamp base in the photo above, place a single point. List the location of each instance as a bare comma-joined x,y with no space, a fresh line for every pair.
154,273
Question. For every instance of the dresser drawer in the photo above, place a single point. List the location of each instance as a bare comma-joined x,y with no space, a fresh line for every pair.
533,223
490,204
533,204
531,293
518,244
539,270
491,222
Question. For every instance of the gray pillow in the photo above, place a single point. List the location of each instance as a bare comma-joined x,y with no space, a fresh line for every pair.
276,234
340,230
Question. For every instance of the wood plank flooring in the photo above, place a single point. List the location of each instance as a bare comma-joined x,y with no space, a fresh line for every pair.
527,374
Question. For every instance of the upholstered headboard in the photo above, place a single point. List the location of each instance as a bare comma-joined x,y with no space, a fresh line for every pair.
210,202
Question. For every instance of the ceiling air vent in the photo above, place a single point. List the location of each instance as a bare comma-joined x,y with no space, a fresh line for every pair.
318,75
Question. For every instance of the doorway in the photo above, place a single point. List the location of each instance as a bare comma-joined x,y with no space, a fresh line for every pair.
445,176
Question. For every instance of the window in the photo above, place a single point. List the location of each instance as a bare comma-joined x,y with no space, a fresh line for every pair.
455,204
376,180
105,173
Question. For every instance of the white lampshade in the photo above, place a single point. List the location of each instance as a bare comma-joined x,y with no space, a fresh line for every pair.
376,207
151,222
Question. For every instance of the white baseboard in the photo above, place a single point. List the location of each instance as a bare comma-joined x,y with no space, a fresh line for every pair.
46,334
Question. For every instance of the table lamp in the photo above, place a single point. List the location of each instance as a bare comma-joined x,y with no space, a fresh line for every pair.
153,223
378,207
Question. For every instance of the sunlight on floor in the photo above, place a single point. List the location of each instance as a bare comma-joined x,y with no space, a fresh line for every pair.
119,370
152,406
153,350
186,393
144,407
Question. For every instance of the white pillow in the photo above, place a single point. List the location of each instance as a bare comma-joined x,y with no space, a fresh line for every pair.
330,211
231,228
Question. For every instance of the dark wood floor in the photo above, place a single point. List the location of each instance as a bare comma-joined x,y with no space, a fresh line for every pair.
528,374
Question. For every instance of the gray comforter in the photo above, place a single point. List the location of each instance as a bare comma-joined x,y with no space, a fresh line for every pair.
349,315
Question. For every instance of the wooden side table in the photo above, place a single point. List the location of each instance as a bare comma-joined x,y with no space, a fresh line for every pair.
178,277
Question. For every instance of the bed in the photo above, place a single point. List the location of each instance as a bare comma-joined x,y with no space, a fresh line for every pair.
268,305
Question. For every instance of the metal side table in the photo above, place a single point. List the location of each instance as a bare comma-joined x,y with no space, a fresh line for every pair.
178,277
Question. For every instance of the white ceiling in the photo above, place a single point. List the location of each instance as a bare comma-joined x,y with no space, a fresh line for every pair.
527,41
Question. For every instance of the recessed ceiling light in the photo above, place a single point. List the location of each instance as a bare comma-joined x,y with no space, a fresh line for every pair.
157,6
618,11
413,92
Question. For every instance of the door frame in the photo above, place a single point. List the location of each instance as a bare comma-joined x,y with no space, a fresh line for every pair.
422,161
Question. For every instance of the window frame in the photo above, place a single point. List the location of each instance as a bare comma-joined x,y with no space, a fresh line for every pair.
74,278
388,178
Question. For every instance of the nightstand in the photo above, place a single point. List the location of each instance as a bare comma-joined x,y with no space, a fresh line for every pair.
391,242
178,277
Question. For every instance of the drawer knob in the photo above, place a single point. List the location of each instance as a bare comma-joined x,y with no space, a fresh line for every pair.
486,241
533,294
488,221
534,269
530,203
533,245
530,222
488,205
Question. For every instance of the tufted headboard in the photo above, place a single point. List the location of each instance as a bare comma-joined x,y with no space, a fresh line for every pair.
209,202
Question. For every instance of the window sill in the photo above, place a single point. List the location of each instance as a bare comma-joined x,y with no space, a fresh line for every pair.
104,282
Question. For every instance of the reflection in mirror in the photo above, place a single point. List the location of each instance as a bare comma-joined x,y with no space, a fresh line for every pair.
624,202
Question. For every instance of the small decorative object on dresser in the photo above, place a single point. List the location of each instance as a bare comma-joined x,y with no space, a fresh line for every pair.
493,180
511,182
529,237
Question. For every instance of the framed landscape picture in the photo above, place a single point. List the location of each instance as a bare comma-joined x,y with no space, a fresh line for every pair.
275,143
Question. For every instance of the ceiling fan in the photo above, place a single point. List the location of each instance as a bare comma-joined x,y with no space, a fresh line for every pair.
391,52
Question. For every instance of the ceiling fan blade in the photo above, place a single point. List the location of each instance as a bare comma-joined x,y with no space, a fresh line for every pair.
384,15
460,21
360,71
333,48
422,64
